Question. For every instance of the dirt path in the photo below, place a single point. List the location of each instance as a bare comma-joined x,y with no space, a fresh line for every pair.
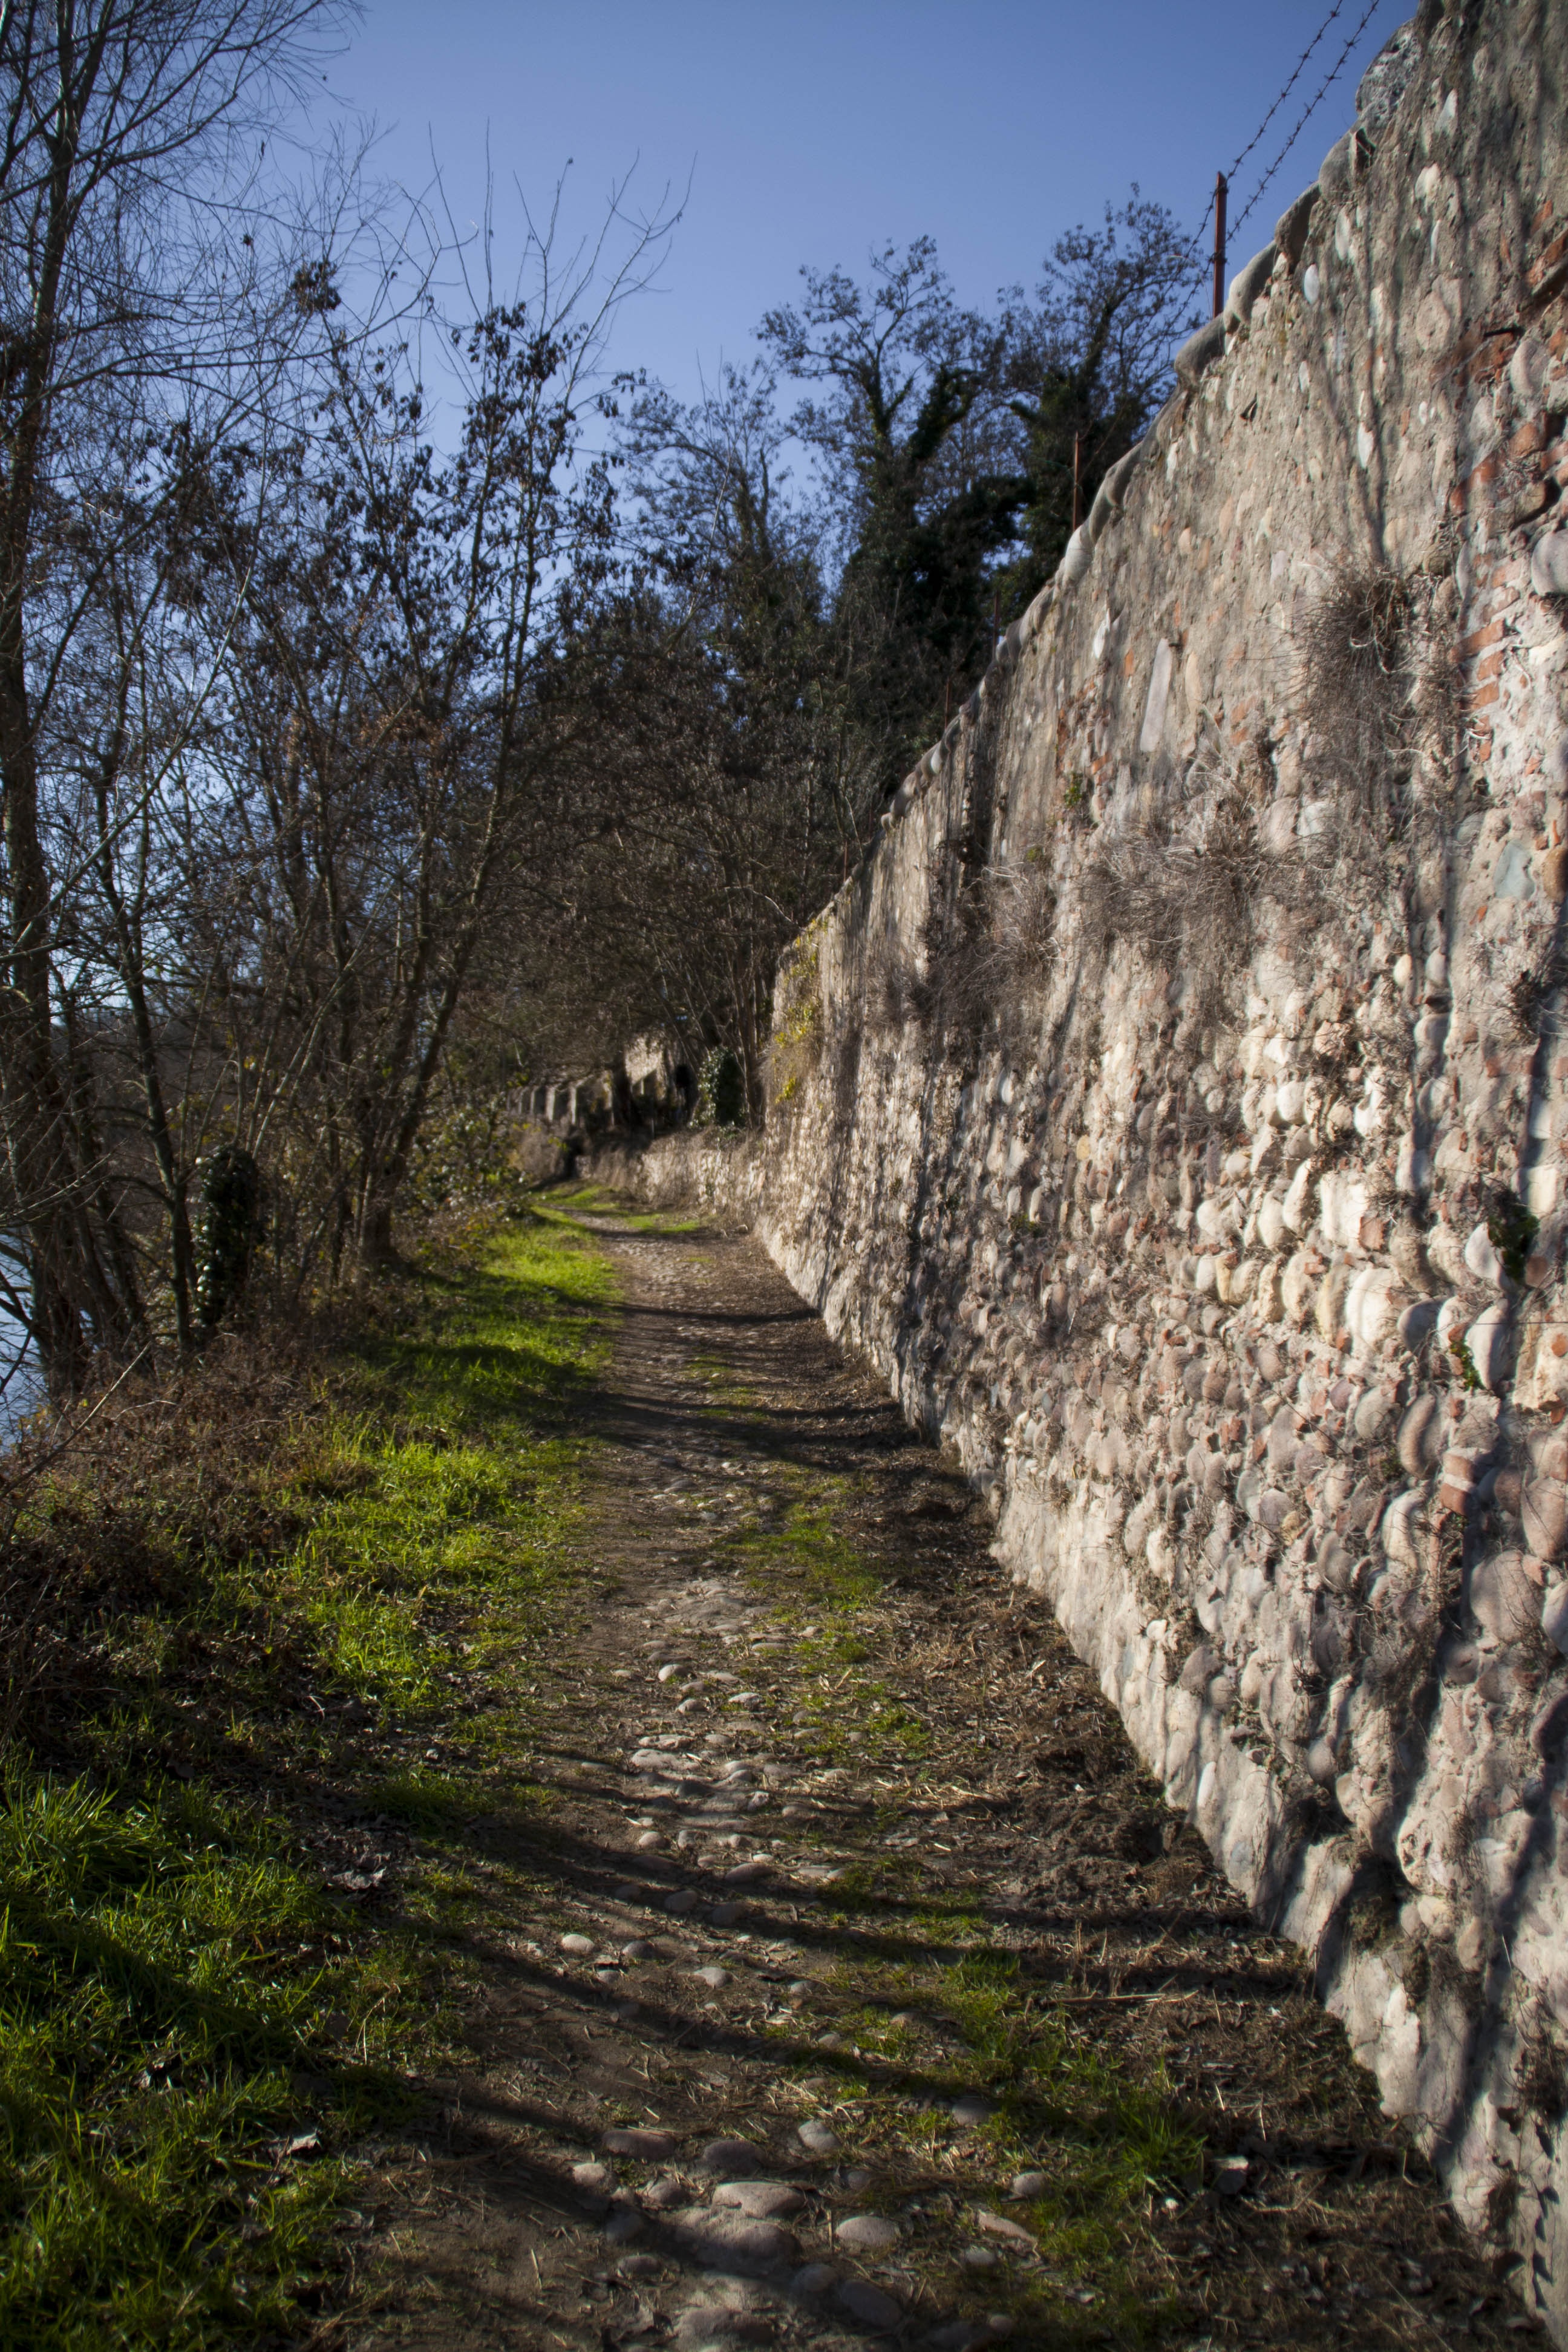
853,1983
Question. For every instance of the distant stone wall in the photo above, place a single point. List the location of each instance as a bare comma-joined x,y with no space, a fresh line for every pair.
1174,1106
720,1172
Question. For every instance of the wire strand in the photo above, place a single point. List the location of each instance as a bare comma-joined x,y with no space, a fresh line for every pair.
1300,66
1329,77
1322,90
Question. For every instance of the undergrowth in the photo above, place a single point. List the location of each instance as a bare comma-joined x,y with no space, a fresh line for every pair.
223,1953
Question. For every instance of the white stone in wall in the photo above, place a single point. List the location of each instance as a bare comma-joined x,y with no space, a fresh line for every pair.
1154,726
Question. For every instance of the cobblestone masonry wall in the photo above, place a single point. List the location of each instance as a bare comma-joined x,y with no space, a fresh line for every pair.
1174,1105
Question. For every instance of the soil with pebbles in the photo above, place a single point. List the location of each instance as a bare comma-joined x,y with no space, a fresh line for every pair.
693,2114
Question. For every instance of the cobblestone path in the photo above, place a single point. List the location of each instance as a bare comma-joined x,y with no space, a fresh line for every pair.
851,1984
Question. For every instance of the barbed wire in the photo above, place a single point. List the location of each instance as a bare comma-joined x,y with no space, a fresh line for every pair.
1322,90
1329,79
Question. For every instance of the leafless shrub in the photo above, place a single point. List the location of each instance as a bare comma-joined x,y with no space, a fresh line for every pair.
1359,680
988,952
1192,905
1528,995
898,996
842,1060
1381,686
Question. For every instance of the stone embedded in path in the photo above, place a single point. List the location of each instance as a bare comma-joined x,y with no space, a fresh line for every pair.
746,1873
715,1977
624,2224
639,1948
980,2258
866,2233
972,2109
627,1892
869,2305
759,2200
820,2137
593,2174
814,2279
576,1945
724,1914
1000,2226
1028,2184
651,2145
719,2328
736,2158
648,1839
717,2241
680,1902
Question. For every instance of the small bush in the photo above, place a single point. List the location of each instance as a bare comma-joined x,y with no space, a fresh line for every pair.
1379,681
1192,905
1530,993
229,1226
988,955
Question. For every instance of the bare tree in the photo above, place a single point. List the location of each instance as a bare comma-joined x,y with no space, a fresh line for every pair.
125,126
400,621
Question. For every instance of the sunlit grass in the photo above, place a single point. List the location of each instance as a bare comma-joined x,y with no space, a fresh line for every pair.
150,2013
173,1967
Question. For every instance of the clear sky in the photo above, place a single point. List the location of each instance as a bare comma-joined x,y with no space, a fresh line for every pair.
809,133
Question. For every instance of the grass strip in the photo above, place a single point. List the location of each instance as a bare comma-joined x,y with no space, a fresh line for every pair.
239,1856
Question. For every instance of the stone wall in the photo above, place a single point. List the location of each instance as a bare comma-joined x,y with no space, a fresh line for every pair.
1172,1105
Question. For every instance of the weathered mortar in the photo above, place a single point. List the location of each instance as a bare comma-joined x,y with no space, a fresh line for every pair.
1208,1301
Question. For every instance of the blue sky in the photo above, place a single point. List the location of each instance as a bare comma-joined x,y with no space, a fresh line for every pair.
812,133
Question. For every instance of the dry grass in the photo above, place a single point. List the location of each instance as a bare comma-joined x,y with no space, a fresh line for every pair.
988,954
103,1509
1379,682
1194,906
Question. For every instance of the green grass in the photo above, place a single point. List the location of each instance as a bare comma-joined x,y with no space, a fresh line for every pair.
1106,2137
197,2024
1104,2140
152,2005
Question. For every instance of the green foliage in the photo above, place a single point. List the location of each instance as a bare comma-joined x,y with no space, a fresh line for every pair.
153,2000
462,1162
721,1090
1511,1228
228,1228
795,1049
